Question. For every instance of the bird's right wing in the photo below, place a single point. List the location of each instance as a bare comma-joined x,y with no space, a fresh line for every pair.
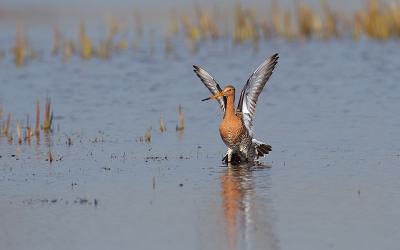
255,84
212,85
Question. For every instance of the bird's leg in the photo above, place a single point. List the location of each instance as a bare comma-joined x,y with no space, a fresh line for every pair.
243,157
229,153
244,154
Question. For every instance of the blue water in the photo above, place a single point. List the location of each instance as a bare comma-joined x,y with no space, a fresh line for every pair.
330,112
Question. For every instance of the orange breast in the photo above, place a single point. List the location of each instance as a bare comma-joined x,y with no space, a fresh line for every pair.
232,129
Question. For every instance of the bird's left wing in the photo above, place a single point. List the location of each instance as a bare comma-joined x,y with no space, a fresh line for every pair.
255,84
212,85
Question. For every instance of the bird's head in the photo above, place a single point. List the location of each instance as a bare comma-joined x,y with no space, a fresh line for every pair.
228,91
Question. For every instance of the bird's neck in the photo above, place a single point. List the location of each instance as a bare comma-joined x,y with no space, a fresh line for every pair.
230,106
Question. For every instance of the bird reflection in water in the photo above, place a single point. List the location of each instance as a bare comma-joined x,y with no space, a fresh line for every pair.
247,222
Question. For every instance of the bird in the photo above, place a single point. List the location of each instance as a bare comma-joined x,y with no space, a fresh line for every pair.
237,128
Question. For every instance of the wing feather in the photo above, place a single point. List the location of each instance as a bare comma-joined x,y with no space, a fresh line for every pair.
250,92
212,85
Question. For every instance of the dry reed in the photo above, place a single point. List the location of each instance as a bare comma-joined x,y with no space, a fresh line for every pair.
48,118
69,141
56,40
18,132
7,125
376,20
50,156
37,131
86,42
162,128
168,45
68,50
122,45
138,22
181,121
147,136
19,48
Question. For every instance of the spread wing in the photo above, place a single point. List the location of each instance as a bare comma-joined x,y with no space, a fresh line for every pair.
255,84
212,85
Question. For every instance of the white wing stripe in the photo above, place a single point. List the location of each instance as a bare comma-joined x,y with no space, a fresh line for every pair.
253,88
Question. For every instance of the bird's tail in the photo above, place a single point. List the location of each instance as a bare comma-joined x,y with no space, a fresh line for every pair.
261,149
258,149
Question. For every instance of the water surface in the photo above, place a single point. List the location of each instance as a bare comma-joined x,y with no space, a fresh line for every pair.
330,112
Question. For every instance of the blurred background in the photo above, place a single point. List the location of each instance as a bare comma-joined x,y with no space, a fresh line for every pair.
196,22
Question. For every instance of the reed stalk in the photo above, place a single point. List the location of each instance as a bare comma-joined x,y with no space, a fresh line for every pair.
304,20
47,119
136,43
181,121
330,27
147,136
122,45
18,132
174,23
86,47
50,156
86,43
138,22
19,48
191,31
152,42
7,125
37,131
56,40
161,124
376,19
69,141
68,50
168,44
28,130
204,21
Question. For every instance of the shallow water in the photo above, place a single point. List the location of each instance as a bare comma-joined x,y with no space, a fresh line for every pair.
330,112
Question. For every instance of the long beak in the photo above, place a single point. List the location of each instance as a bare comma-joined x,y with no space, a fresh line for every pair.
214,96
